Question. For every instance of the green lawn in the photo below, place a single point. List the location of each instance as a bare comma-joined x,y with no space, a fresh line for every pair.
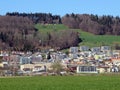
88,38
61,83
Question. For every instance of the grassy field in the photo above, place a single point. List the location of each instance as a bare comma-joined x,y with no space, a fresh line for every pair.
98,40
88,38
50,27
61,83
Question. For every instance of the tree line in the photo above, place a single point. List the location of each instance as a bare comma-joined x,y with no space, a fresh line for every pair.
99,25
43,18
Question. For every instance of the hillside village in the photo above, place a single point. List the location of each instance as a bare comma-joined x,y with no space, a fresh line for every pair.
78,60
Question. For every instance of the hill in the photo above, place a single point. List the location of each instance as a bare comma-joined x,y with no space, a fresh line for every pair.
57,36
17,31
87,38
98,25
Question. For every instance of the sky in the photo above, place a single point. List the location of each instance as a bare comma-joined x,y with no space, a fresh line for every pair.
62,7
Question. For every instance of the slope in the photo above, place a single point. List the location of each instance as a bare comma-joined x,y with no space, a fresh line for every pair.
87,38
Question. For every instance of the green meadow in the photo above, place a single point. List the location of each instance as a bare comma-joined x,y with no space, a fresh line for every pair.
87,38
50,27
95,82
98,40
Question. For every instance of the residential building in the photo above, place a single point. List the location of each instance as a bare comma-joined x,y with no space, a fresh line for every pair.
96,49
73,49
25,60
86,69
105,48
84,48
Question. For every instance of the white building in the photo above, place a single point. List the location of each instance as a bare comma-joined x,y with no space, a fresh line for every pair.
86,69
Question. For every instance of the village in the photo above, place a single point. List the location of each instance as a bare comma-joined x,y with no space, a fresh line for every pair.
78,60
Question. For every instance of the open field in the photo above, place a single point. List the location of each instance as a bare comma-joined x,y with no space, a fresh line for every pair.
98,40
61,83
50,27
88,38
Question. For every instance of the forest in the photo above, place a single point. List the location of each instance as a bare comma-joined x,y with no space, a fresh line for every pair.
43,18
18,32
98,25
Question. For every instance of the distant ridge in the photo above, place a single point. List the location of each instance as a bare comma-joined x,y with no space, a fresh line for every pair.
99,25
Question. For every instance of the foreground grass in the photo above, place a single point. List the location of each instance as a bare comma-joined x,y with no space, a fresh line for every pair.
61,83
88,38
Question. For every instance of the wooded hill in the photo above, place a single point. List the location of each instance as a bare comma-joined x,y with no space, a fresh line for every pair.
99,25
18,31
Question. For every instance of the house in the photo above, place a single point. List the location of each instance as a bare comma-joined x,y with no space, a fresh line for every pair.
14,59
4,64
73,50
96,49
51,50
87,53
4,53
36,58
38,68
73,55
86,69
98,56
116,61
103,69
115,68
60,56
105,48
35,67
84,48
25,60
26,67
108,53
116,53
